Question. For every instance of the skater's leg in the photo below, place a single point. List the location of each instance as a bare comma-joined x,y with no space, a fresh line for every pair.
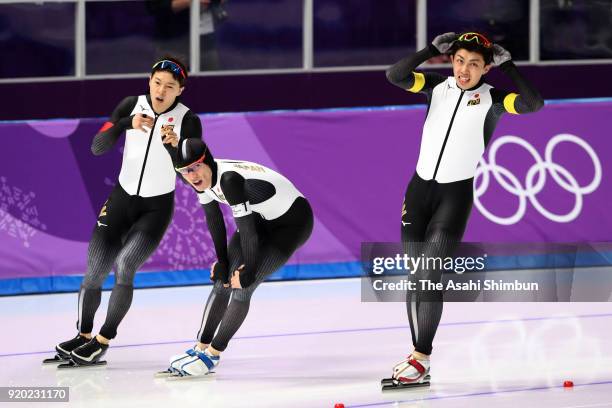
101,256
202,363
151,217
453,204
426,307
218,299
142,240
216,305
137,249
271,260
443,209
279,244
215,309
415,218
103,249
278,241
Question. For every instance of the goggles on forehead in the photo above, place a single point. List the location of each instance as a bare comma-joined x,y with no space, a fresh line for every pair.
479,38
193,167
172,66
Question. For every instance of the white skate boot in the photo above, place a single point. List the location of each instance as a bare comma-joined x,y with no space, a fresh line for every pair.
175,363
198,365
408,374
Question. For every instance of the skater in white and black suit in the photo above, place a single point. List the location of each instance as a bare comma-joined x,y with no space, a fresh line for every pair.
273,219
135,216
462,113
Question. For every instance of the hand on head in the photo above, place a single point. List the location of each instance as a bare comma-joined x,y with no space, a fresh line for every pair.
500,55
444,42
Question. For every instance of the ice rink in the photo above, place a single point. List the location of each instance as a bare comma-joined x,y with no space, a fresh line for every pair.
315,344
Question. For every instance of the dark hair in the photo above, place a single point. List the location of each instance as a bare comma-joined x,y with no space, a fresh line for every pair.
473,46
181,77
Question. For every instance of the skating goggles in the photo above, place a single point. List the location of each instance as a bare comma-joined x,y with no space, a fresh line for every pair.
479,38
172,66
193,167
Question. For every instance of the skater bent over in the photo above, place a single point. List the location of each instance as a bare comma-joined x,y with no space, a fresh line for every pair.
273,219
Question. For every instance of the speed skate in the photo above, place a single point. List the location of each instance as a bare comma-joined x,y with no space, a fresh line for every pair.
56,359
67,362
73,364
193,363
173,375
388,384
410,373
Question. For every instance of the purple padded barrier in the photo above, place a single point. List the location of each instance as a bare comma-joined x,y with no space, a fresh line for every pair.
353,166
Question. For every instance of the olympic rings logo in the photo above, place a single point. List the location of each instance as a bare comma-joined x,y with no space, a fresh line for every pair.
533,185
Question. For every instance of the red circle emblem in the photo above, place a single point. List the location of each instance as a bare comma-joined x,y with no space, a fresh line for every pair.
170,120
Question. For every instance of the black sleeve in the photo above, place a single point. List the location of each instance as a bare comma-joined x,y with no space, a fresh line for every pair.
233,186
191,127
216,227
402,73
119,121
528,99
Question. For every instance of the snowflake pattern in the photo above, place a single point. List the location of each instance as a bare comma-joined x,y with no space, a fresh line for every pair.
187,243
23,223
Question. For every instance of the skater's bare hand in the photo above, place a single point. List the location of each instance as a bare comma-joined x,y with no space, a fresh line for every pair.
236,277
141,121
170,137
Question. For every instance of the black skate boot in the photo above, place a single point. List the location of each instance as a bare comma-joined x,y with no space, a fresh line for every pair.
89,354
65,348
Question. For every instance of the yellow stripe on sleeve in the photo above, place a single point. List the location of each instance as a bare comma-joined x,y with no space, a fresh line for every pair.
419,82
509,103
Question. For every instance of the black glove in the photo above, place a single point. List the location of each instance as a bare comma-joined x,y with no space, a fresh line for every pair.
220,272
444,42
500,55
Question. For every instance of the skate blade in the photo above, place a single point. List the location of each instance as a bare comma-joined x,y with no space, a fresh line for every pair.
389,381
187,377
73,364
404,386
55,360
164,374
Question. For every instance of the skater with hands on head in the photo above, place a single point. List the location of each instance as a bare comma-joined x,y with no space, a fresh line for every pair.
462,113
